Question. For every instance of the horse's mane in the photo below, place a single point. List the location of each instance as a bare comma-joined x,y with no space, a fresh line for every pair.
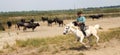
75,23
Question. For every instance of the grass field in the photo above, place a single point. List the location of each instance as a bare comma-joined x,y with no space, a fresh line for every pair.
58,44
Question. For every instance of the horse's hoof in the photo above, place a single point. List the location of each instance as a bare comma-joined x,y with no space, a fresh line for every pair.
87,46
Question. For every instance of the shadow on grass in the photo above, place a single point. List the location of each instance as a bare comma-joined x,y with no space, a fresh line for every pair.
81,48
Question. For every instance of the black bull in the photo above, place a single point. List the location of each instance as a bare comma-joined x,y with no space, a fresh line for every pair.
9,24
56,20
96,16
27,25
30,25
44,19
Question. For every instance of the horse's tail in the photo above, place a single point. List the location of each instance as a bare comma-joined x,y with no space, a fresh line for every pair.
97,26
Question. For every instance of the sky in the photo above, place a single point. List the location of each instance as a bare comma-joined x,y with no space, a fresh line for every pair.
40,5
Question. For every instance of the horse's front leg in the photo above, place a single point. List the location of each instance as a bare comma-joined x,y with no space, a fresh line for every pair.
81,40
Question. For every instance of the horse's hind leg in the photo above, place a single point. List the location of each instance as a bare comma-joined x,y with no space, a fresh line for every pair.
81,41
97,38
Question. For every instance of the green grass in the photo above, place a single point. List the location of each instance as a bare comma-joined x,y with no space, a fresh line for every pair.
45,41
108,35
58,43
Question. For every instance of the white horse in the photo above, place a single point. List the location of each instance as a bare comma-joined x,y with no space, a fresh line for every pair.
91,30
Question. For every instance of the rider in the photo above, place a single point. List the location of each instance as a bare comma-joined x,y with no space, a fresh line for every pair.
81,22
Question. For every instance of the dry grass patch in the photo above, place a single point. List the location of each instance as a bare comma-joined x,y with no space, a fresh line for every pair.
61,43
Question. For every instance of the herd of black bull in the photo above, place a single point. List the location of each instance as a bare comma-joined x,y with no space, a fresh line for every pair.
25,24
31,24
55,20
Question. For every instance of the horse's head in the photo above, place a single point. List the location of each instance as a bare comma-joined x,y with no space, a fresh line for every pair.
66,29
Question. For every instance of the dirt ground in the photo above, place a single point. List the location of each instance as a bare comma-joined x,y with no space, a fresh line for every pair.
43,31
